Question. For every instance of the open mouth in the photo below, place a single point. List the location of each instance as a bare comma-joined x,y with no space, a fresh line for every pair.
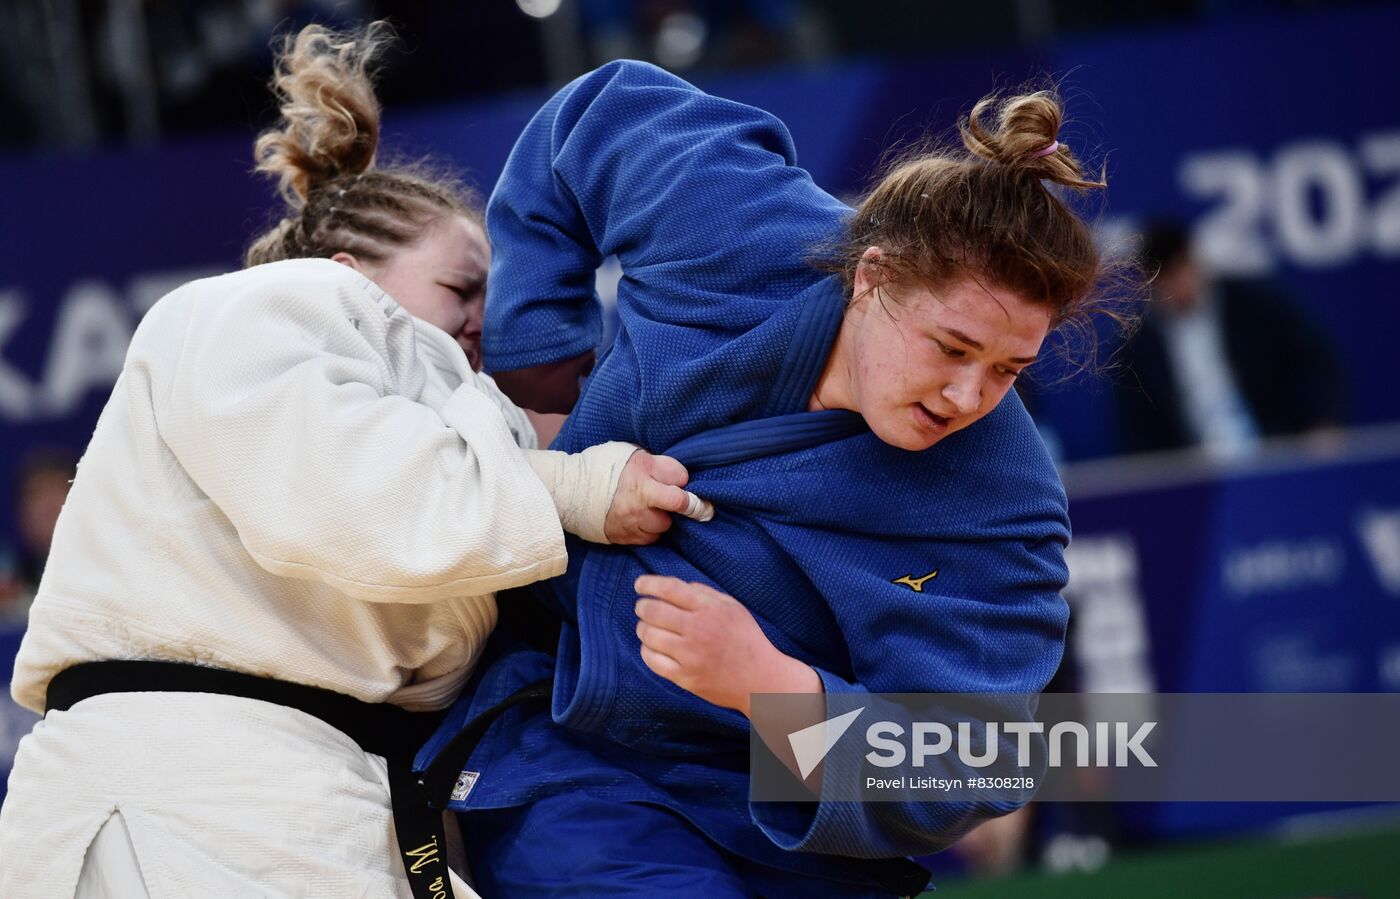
929,419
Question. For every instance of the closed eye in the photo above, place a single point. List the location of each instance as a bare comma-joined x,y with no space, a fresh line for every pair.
468,293
952,351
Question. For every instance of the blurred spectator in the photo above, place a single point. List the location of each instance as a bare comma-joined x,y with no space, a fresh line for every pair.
14,598
1221,362
74,73
83,71
42,487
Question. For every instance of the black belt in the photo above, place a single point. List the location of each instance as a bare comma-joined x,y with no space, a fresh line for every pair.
379,728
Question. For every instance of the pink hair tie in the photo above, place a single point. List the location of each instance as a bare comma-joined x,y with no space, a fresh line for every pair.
1054,145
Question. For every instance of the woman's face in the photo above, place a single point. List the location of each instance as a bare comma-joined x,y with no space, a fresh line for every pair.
920,366
441,279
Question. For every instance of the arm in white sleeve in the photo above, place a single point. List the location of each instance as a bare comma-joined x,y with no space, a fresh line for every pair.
282,407
516,419
582,484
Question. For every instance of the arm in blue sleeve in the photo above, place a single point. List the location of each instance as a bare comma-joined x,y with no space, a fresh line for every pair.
1004,636
696,196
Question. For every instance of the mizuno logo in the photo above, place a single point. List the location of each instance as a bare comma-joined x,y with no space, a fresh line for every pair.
915,583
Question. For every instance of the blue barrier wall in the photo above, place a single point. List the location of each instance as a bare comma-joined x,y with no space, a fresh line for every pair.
1278,576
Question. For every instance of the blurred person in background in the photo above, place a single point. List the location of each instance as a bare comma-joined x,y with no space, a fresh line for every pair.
75,74
280,554
41,488
1221,363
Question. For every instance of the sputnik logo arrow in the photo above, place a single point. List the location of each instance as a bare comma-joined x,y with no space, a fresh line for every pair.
811,744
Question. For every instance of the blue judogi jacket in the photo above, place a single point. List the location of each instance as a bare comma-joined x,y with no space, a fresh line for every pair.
725,327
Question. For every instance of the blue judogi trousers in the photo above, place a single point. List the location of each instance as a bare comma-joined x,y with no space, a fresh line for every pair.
577,845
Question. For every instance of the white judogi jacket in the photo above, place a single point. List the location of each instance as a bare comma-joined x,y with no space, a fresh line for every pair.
296,479
293,478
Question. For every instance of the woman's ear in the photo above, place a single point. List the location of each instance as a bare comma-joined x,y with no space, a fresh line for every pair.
868,274
345,258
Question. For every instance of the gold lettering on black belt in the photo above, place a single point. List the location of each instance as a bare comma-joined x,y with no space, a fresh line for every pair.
424,855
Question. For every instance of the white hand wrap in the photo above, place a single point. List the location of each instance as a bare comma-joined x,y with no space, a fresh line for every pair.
582,484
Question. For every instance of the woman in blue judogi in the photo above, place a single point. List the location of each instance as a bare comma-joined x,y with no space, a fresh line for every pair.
837,382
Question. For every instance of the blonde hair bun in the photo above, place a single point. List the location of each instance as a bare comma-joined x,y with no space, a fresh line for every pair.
330,115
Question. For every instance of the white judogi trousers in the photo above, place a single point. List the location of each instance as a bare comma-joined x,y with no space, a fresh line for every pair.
170,795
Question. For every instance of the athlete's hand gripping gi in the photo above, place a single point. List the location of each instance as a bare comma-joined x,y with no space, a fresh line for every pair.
617,493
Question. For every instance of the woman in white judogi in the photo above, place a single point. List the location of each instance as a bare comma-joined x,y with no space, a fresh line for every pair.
300,477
